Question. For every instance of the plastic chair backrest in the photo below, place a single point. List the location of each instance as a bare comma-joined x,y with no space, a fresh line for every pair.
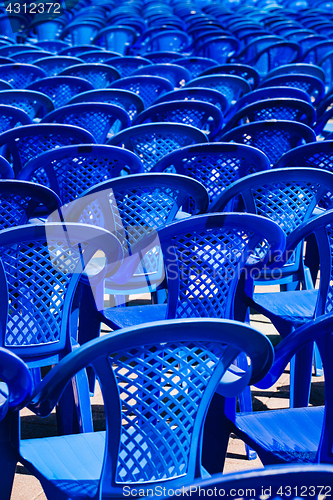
201,115
243,70
196,65
312,85
300,68
19,200
137,366
256,45
314,155
41,266
272,137
232,86
15,374
11,117
220,48
281,108
77,50
99,75
127,100
215,165
149,88
174,40
127,64
54,65
98,56
61,88
177,75
71,170
162,57
24,143
100,119
151,141
29,56
31,102
54,46
80,33
198,94
317,51
275,55
19,76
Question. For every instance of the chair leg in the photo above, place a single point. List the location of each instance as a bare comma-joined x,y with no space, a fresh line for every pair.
9,437
317,363
300,377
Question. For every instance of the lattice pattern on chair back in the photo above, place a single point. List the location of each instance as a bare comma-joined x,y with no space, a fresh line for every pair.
149,88
19,76
127,64
232,86
208,266
161,388
99,75
38,275
329,297
56,64
61,88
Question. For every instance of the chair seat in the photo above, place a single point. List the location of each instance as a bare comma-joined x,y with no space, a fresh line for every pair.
122,317
292,435
294,307
73,462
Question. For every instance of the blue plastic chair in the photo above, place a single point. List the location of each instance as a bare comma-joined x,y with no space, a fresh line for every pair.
19,76
295,434
201,283
140,447
11,117
219,48
215,165
19,201
71,170
47,27
326,63
61,89
127,64
196,65
300,68
99,75
6,171
281,108
116,38
149,88
24,143
198,94
177,75
151,141
102,120
275,481
29,56
82,32
243,70
170,39
10,49
317,51
232,86
54,46
127,100
282,52
55,64
310,84
77,50
314,155
15,392
98,56
162,57
201,115
273,137
255,46
32,103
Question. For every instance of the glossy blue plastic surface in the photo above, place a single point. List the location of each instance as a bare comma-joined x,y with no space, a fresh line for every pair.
127,64
71,170
33,103
310,84
315,155
11,117
300,68
80,32
161,445
24,143
243,70
201,115
102,120
19,76
296,434
272,137
61,89
196,65
98,56
127,100
220,48
55,64
19,200
116,38
232,86
29,56
149,88
199,94
285,482
280,108
271,57
173,40
151,141
98,74
215,165
175,74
